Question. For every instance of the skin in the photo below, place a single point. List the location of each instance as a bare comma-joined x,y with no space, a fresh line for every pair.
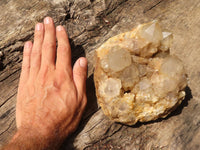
51,95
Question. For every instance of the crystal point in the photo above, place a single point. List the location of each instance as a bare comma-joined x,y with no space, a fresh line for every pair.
151,32
166,42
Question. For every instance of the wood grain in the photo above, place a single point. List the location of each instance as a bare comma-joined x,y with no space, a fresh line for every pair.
89,23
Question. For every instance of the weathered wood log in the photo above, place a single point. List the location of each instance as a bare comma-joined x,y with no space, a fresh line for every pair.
90,23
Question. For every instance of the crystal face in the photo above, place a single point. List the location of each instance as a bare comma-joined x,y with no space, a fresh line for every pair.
118,59
110,88
136,78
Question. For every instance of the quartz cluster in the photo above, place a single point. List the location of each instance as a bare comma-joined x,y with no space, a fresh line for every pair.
136,78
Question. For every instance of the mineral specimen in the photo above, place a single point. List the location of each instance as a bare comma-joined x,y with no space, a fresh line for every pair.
135,76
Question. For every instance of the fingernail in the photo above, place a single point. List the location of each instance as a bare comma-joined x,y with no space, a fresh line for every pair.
38,26
83,62
47,20
59,28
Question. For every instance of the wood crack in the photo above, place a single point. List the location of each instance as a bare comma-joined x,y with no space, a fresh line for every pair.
94,126
109,12
10,75
8,99
8,127
153,6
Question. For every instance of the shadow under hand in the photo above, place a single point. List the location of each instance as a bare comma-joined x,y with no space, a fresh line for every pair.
76,51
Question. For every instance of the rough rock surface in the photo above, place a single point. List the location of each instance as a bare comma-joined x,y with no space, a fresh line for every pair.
136,78
90,23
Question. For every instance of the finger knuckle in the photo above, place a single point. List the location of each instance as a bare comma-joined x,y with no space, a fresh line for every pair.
79,73
38,35
62,47
25,66
26,54
48,45
35,53
64,75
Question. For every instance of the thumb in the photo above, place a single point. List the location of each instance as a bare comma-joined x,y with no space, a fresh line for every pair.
79,76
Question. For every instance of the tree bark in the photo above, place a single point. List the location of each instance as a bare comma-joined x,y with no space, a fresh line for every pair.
89,23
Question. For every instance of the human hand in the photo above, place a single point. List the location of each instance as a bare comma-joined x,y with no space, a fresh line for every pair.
51,96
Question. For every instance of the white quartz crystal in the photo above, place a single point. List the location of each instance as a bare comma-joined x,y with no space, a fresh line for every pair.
136,79
172,66
110,87
129,77
118,59
151,32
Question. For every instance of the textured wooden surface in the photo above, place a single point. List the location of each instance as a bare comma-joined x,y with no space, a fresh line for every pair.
90,23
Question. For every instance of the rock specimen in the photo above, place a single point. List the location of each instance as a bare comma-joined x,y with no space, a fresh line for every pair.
136,78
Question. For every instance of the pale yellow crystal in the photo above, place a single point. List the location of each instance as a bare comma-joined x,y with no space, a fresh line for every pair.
166,42
135,77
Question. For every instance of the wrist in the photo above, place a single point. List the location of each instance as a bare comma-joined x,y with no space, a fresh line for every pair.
33,139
